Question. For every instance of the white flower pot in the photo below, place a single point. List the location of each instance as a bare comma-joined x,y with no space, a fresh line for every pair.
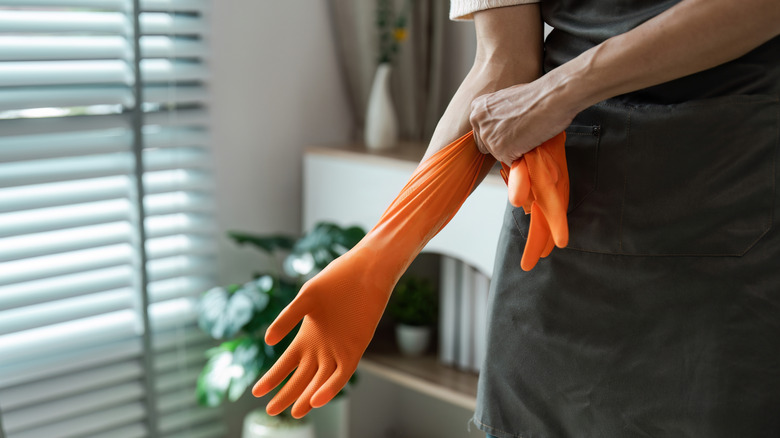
258,424
381,130
412,340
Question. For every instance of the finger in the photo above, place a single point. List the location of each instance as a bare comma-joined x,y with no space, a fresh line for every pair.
538,235
276,375
551,201
288,318
303,405
335,383
293,389
519,183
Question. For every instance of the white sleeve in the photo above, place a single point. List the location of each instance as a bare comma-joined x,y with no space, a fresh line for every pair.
461,10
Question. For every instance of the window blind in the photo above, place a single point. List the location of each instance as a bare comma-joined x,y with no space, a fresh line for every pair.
107,233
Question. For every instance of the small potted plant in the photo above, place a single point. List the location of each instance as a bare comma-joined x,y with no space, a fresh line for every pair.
414,308
239,314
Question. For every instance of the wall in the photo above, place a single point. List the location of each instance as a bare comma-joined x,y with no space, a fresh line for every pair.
276,88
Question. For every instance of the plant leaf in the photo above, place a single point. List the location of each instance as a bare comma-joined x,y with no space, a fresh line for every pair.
222,315
267,243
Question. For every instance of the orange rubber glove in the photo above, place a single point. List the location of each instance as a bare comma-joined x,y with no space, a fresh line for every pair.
539,182
342,305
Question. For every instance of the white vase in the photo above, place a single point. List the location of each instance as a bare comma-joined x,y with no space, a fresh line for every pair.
412,340
381,131
258,424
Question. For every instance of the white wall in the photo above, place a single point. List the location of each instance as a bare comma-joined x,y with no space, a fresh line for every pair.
276,88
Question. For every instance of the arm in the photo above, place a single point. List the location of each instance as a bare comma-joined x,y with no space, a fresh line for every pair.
692,36
509,52
342,305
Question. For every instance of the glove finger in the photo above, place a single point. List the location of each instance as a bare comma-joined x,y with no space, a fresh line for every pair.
519,184
303,405
335,383
547,195
538,235
293,389
288,318
286,364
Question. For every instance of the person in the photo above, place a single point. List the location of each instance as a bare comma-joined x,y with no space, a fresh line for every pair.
661,318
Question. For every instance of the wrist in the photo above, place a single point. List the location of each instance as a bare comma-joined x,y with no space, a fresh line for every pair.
574,84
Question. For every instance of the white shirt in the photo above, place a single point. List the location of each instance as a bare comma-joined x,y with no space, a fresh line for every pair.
461,10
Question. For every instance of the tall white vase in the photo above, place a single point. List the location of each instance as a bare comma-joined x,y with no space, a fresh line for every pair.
381,131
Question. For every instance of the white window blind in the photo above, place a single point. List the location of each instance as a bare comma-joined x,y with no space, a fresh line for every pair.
98,271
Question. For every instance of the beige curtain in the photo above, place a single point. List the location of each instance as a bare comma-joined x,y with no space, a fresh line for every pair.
417,70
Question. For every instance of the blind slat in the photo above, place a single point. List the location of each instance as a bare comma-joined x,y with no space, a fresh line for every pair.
72,96
40,73
40,48
64,169
67,286
90,423
106,328
63,264
58,364
46,22
56,312
36,147
59,218
66,47
61,241
60,386
70,407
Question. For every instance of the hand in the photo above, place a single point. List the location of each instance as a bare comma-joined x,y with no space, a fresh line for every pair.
510,122
340,308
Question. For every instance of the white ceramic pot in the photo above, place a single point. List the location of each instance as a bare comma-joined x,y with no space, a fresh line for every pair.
258,424
412,340
381,130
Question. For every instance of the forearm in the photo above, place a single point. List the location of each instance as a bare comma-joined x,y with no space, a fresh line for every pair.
509,52
692,36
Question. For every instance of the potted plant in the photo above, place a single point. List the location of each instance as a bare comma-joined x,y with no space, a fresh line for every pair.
239,314
414,308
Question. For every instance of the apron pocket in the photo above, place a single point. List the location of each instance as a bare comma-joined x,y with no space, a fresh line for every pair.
582,147
582,153
700,177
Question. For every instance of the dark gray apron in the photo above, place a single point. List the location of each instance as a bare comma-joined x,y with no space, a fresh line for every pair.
662,317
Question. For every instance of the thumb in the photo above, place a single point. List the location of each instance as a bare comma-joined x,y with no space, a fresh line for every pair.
288,318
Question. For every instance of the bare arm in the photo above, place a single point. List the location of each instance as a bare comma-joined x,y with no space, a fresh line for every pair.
509,52
692,36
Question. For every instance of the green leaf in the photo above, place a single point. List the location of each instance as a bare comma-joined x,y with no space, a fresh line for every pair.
267,243
231,369
222,314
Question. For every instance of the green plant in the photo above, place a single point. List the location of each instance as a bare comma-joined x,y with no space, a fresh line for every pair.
414,302
238,315
391,27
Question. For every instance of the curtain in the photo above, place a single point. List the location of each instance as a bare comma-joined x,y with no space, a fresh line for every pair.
417,73
107,233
